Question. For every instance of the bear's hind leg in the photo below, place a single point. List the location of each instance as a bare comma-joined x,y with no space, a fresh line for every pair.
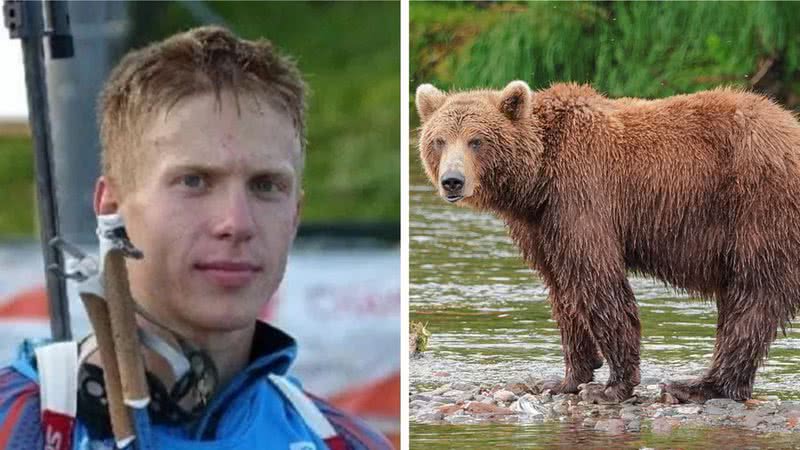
746,326
581,356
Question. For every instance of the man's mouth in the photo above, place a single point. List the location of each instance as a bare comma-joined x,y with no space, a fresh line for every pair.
229,274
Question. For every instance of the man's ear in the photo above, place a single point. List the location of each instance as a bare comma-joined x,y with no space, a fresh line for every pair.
428,100
515,100
105,197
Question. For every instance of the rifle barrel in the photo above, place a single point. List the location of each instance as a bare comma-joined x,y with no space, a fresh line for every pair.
38,114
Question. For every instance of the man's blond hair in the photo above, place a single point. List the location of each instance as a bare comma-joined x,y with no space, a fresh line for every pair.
202,60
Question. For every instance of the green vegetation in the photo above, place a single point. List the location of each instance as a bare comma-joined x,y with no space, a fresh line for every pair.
16,187
418,336
350,54
643,49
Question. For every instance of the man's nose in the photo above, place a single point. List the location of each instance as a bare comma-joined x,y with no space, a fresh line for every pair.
238,220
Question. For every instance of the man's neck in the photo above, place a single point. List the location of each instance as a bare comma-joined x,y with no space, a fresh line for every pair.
229,350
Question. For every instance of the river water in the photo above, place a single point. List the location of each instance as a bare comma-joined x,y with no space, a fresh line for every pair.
490,322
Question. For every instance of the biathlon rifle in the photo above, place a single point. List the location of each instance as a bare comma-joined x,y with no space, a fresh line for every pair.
31,21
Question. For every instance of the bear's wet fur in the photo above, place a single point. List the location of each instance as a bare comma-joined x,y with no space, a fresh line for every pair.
701,191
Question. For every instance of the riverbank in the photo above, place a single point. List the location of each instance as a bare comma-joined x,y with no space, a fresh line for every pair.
523,400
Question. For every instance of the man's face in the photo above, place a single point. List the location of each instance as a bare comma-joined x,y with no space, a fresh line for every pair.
214,212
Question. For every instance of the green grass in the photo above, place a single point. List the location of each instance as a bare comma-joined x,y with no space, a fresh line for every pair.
16,187
641,49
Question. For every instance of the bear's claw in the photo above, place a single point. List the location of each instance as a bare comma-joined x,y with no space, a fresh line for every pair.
560,386
697,391
604,394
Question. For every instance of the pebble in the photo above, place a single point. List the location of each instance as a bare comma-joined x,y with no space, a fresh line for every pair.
689,410
721,402
421,397
612,426
441,389
664,413
714,411
518,388
668,399
663,425
462,386
483,408
753,420
415,404
459,419
529,405
450,409
776,420
737,413
430,416
561,409
512,401
792,413
789,407
453,393
504,396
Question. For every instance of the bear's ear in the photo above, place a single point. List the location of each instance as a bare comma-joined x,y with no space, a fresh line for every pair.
428,100
515,100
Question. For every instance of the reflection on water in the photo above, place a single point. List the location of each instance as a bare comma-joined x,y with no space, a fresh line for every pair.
572,436
490,321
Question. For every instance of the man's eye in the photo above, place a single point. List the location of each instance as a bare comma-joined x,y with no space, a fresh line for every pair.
193,181
262,185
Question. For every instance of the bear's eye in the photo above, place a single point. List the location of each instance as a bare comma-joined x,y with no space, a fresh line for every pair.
438,143
474,144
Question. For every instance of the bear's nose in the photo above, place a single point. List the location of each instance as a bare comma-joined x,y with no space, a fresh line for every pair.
452,181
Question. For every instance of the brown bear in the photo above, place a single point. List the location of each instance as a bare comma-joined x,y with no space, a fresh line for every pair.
701,191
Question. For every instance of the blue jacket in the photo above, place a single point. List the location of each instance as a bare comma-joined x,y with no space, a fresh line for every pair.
249,413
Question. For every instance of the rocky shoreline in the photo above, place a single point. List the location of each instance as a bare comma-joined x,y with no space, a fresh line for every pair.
524,401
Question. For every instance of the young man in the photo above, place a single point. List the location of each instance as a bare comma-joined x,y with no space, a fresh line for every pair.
202,138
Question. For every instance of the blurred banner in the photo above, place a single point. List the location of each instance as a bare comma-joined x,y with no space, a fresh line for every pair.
343,307
341,304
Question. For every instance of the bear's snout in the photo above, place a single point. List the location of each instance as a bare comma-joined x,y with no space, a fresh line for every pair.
453,185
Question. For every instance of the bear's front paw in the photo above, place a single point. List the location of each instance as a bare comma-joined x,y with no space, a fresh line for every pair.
605,394
696,391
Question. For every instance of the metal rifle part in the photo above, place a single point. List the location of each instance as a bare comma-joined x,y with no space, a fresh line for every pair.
25,21
83,266
58,29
